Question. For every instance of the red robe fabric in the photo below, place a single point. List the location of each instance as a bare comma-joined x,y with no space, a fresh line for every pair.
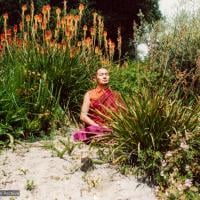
98,108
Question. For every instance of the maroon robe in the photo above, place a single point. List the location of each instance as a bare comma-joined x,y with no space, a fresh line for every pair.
98,108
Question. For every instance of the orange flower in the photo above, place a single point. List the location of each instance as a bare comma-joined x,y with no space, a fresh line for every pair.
58,11
1,47
52,43
40,18
67,33
28,18
15,29
36,18
99,18
24,8
58,45
94,14
72,52
2,37
81,7
9,32
113,45
77,17
5,16
48,35
92,31
79,43
48,7
109,42
25,35
19,42
85,27
35,27
63,22
88,41
69,19
44,10
58,24
44,25
96,50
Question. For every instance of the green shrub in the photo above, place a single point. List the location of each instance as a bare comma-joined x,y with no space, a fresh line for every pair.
131,76
46,65
179,170
175,55
141,134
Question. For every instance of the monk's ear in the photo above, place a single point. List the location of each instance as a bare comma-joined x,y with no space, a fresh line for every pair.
94,79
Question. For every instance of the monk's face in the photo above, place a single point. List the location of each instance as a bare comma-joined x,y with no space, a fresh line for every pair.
102,76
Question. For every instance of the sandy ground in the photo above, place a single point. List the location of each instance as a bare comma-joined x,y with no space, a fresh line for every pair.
41,175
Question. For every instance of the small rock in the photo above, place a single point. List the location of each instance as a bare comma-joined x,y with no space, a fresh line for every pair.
87,164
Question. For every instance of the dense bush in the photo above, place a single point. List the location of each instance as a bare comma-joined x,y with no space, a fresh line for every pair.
46,67
131,76
158,134
160,137
174,53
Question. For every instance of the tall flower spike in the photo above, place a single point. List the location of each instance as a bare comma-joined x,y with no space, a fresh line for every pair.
58,11
105,41
119,40
15,29
63,23
44,25
48,8
28,18
44,10
32,12
25,36
85,28
5,16
48,35
65,7
100,28
84,31
76,19
94,18
24,8
81,8
79,44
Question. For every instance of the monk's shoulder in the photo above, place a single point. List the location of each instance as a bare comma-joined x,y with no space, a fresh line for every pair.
92,93
91,90
115,93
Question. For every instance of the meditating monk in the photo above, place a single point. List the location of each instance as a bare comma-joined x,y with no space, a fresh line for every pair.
97,104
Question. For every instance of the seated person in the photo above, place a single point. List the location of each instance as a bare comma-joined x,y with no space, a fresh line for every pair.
96,106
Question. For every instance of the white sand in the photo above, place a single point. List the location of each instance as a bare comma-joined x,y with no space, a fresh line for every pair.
61,179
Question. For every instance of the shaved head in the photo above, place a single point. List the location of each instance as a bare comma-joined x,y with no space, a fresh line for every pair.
101,70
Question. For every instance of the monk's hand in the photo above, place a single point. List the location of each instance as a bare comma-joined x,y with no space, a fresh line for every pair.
104,126
96,125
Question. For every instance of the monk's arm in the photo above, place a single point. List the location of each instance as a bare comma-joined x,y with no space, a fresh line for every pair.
84,111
